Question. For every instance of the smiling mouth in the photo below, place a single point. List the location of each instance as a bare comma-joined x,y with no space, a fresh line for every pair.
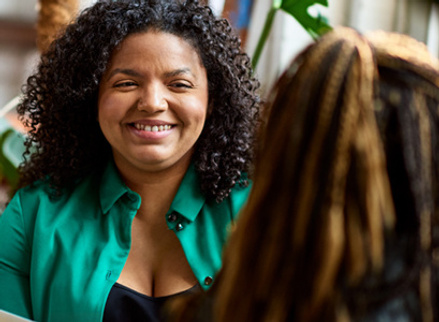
153,128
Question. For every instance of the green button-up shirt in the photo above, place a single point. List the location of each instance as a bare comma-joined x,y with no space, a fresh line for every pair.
60,257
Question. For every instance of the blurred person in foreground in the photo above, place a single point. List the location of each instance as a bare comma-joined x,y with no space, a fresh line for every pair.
342,222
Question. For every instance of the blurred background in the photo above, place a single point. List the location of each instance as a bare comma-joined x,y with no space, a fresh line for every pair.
18,49
418,18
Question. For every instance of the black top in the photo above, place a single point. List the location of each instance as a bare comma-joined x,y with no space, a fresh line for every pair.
125,304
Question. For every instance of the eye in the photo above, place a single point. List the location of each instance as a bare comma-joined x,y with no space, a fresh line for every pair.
125,84
181,85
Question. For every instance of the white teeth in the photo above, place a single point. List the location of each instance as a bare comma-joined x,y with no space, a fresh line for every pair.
155,128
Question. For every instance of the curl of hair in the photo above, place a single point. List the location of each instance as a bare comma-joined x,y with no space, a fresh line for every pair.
60,104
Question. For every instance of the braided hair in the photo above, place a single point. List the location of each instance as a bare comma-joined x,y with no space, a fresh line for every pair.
53,17
345,188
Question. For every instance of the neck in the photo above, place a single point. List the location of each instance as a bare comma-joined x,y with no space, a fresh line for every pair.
157,189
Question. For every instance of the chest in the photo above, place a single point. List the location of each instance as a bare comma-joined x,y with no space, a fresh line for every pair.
75,263
156,265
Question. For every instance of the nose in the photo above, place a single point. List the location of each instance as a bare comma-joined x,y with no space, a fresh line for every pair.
152,99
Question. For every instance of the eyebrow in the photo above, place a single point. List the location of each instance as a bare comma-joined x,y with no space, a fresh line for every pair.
131,72
179,71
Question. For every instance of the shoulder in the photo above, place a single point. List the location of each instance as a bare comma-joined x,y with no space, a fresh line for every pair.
40,194
234,202
238,196
32,194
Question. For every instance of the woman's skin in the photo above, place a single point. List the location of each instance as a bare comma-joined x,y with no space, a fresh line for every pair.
152,107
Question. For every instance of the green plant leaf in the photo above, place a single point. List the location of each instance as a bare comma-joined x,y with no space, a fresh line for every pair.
315,26
11,150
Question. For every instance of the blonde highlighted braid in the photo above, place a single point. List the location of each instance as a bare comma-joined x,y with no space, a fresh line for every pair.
53,17
351,117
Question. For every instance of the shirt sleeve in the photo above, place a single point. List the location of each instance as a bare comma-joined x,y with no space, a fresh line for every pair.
14,261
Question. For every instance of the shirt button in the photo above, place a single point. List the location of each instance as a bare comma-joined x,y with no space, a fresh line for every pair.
179,227
172,217
208,280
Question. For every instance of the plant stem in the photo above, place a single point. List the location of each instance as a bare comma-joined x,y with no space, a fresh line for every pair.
264,35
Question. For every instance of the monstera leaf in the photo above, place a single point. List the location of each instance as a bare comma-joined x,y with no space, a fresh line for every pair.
315,26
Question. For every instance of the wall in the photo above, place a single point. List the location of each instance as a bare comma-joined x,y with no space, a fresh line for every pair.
18,53
417,18
17,48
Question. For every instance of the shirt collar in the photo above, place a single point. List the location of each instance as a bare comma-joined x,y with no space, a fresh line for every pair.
112,187
189,199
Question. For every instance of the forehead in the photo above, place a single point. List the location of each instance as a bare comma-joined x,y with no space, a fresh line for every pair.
154,44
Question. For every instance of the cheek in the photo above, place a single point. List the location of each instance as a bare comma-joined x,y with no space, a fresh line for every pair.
203,109
200,117
193,112
107,109
106,116
101,105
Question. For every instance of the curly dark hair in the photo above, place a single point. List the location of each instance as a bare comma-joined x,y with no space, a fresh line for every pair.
65,142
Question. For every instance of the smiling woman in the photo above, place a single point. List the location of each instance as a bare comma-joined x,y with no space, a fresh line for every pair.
143,116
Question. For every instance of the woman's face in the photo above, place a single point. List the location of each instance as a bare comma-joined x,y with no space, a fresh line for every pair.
153,101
